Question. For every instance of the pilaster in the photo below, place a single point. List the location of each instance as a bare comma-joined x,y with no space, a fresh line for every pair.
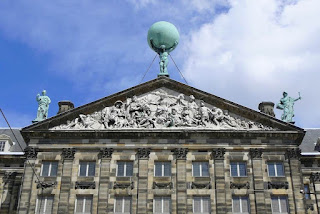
143,158
181,183
220,183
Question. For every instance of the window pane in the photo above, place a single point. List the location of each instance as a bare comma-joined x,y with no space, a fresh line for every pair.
234,170
280,171
127,204
197,205
88,205
92,168
2,145
79,205
45,168
283,204
158,169
167,168
275,205
120,169
271,169
129,170
166,204
54,169
236,204
243,169
118,205
196,169
245,204
205,169
157,205
206,204
48,209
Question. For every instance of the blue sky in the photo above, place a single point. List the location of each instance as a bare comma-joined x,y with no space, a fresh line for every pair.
245,51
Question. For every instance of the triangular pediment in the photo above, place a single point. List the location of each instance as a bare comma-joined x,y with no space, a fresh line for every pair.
162,104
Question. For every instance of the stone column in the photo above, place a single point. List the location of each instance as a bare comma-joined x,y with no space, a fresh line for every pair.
181,183
105,155
143,156
293,156
220,183
28,179
7,186
257,180
66,185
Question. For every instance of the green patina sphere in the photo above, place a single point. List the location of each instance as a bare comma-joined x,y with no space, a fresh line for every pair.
163,33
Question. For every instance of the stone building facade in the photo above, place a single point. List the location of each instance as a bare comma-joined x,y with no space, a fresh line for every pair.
154,148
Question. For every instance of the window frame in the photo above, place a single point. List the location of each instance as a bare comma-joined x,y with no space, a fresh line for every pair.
39,199
275,168
2,145
279,204
124,169
87,168
162,168
238,169
162,202
241,197
50,169
306,189
84,197
201,206
200,168
122,204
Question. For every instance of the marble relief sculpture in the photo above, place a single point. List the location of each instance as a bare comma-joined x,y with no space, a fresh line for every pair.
161,110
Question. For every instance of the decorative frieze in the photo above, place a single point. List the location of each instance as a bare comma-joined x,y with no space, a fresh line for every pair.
117,185
278,185
239,185
156,185
143,153
218,153
68,153
255,153
201,185
85,185
31,152
106,153
293,153
181,153
45,185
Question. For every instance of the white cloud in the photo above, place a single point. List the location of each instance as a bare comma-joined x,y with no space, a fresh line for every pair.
258,49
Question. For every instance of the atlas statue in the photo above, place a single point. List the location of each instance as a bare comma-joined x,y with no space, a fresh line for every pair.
43,106
163,37
286,104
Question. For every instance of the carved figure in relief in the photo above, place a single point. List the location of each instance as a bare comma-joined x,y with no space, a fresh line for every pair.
204,113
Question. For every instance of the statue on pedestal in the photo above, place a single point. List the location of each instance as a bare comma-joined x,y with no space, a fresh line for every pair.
286,104
43,106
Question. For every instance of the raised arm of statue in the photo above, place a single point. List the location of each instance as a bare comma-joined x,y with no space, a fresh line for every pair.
173,47
299,98
37,98
158,50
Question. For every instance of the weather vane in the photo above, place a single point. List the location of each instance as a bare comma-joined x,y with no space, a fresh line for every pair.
163,37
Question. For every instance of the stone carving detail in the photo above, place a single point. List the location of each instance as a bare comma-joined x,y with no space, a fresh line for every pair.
85,185
239,186
105,153
168,185
117,185
160,110
143,153
45,185
315,177
68,153
200,186
8,176
255,153
278,185
218,153
293,154
181,153
310,207
31,152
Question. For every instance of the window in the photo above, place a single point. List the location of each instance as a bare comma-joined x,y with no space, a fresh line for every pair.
87,168
122,205
162,205
275,169
240,204
162,169
279,204
238,169
306,191
49,169
125,169
201,205
44,205
83,205
200,169
2,145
